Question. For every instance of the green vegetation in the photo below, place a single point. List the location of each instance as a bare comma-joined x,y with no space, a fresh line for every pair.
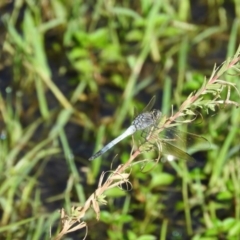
71,75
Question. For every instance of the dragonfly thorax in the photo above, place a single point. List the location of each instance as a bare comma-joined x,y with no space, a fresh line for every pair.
146,119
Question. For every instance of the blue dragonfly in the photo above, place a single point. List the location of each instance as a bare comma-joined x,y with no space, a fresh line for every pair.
170,142
143,121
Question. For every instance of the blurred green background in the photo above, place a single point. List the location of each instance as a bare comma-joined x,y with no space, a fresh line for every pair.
71,75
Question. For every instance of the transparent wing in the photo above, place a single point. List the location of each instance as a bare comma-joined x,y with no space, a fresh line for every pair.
146,108
183,140
172,152
150,104
174,143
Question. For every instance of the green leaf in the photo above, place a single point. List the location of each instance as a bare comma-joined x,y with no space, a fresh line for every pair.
235,230
225,195
147,237
161,179
115,192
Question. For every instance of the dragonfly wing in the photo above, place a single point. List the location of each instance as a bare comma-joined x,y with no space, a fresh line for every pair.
150,104
174,143
172,152
184,140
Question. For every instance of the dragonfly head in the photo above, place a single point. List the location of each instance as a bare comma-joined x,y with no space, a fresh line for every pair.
156,114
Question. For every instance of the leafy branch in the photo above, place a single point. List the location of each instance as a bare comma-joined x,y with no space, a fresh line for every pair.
213,88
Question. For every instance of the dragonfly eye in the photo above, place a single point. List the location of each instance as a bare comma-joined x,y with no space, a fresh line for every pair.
156,114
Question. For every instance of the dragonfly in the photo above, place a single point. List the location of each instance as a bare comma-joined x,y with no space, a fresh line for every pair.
144,120
171,142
